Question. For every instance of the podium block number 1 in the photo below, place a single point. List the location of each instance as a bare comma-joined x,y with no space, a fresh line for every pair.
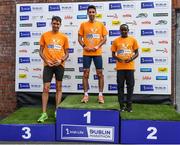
88,116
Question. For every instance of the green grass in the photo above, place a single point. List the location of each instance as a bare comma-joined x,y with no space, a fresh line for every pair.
29,115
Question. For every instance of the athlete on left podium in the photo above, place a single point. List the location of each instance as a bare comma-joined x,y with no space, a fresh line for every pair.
54,51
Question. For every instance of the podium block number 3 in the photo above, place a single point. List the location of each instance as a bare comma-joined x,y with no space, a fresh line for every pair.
152,134
88,117
27,133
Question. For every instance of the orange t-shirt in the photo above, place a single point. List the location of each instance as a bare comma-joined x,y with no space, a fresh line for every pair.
92,34
121,45
54,45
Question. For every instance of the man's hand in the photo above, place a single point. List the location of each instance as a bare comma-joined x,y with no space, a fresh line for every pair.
50,63
128,60
58,62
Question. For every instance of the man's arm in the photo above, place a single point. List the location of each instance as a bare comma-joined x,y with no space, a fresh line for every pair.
136,54
81,42
102,42
114,56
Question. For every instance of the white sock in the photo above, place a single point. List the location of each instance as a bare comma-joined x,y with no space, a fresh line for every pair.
86,93
100,94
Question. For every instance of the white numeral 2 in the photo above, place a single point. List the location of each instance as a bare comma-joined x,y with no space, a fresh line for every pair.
153,131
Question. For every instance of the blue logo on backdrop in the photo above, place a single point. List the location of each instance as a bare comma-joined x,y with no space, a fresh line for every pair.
23,18
112,87
41,24
24,34
161,78
71,50
147,60
54,7
145,69
147,5
24,86
147,88
24,59
80,69
147,32
111,60
81,16
95,77
80,60
79,87
82,7
114,6
53,86
114,33
25,8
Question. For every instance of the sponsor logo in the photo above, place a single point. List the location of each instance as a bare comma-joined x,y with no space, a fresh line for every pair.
116,22
160,14
114,33
161,78
24,18
95,77
35,60
53,86
24,69
112,87
71,50
80,59
161,32
163,69
146,88
82,7
163,42
163,60
25,8
25,43
115,6
36,43
37,76
94,87
35,86
69,69
142,15
24,86
81,69
66,77
35,51
66,7
161,4
99,7
161,22
68,17
81,16
70,25
145,69
147,32
66,86
146,22
37,17
111,60
131,32
160,88
127,15
22,76
146,49
147,5
24,59
41,24
79,87
128,6
78,77
114,16
146,78
147,60
150,42
36,34
24,34
37,8
23,51
68,33
163,50
98,16
25,25
131,22
36,69
54,7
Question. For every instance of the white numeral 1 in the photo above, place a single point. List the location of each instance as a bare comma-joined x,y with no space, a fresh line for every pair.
153,131
88,115
27,133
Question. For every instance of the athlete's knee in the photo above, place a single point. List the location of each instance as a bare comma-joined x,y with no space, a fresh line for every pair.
86,74
46,89
100,74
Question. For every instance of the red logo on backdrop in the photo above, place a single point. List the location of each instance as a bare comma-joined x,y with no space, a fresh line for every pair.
68,17
163,42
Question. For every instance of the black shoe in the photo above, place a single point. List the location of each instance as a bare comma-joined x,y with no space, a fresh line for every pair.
122,108
129,108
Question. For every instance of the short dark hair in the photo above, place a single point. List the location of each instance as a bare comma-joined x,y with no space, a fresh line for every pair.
91,7
57,18
124,25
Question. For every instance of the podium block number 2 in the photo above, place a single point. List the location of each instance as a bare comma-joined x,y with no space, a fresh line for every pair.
27,133
88,116
152,134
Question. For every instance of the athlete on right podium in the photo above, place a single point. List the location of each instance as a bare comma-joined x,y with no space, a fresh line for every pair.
125,51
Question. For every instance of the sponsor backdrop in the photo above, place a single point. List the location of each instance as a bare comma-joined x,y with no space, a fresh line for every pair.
149,22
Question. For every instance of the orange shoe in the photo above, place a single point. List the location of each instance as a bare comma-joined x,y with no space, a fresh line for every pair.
101,99
85,99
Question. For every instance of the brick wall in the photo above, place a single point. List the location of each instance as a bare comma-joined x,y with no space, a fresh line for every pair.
7,50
